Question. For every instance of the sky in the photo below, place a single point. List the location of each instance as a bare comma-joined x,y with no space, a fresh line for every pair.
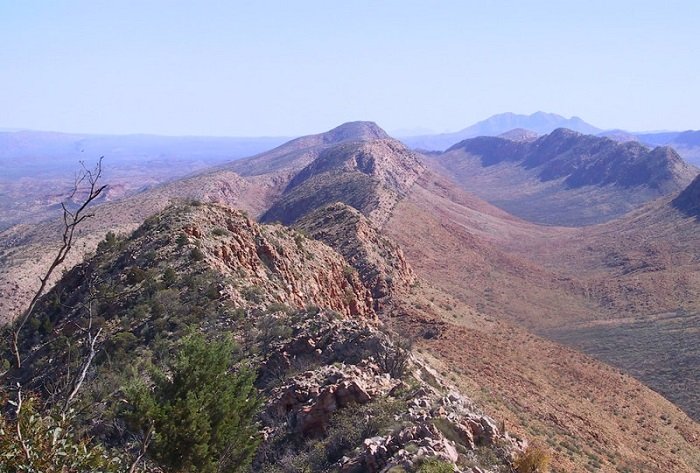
285,68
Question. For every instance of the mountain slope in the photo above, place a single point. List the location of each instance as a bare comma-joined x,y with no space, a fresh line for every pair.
370,176
565,178
643,270
250,184
473,265
688,201
539,122
303,323
520,376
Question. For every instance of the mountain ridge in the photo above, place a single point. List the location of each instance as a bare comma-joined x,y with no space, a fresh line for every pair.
538,122
555,178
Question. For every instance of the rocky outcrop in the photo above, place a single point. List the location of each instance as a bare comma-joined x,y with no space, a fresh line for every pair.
277,265
380,262
432,421
371,176
340,391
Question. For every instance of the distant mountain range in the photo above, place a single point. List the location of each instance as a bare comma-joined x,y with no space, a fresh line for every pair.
525,127
565,177
539,122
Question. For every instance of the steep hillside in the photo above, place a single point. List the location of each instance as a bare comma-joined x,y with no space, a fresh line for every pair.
371,176
474,253
250,184
565,178
459,267
688,201
339,392
379,261
539,122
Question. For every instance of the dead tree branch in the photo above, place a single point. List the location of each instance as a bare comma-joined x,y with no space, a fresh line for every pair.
92,351
86,178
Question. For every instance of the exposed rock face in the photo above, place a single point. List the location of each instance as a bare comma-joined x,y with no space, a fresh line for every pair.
433,420
379,261
370,176
284,266
688,201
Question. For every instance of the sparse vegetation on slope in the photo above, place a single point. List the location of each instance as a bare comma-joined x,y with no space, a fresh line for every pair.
302,324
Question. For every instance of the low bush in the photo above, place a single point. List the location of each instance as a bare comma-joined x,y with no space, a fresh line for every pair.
435,465
535,459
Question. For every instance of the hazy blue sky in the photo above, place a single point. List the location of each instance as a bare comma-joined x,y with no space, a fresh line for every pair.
288,67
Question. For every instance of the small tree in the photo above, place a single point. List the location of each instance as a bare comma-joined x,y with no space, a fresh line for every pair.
202,415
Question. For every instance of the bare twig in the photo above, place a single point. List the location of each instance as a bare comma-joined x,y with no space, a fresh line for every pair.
18,413
92,340
71,220
148,437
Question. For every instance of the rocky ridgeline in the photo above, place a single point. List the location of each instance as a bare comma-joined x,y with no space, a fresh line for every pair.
341,393
585,160
379,261
280,265
371,176
345,363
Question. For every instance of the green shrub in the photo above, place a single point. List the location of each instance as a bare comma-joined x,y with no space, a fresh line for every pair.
196,254
182,240
218,231
135,275
253,294
345,431
50,445
533,460
169,277
434,465
203,415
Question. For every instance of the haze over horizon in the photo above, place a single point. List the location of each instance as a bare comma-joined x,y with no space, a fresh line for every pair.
272,68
